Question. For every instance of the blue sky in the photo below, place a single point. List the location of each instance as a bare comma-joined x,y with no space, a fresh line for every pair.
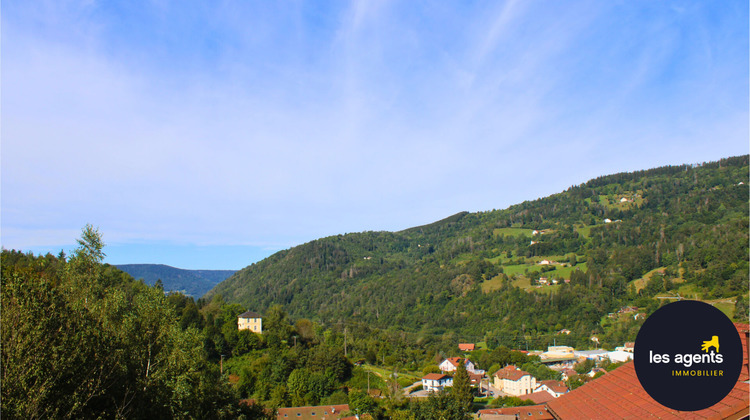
212,135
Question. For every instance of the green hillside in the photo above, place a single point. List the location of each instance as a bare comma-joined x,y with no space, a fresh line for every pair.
478,275
190,282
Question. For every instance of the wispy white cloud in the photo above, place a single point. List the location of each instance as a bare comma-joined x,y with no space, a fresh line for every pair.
259,124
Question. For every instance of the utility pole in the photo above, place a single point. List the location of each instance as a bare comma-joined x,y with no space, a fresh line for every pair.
344,341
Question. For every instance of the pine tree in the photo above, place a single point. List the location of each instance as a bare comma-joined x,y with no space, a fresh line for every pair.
461,390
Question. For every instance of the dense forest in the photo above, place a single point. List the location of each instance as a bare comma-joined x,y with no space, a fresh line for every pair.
618,240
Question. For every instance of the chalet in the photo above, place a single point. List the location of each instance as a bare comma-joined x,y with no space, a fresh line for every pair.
250,321
514,381
321,412
545,262
436,382
450,365
554,388
466,346
564,331
542,280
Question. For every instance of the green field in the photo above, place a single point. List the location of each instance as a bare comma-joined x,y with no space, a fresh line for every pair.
511,231
519,270
726,307
584,231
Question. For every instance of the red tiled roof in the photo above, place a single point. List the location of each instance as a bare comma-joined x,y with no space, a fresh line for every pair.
454,361
320,412
539,397
435,376
511,372
555,386
476,377
618,394
466,346
530,412
569,372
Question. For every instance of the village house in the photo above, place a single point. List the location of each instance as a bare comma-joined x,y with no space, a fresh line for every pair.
450,365
627,310
434,382
628,347
466,346
568,373
514,381
554,388
250,321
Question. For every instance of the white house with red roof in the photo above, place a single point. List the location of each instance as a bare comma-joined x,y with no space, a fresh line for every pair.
554,388
436,381
450,365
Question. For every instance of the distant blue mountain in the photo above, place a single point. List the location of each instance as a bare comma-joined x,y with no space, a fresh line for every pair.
193,283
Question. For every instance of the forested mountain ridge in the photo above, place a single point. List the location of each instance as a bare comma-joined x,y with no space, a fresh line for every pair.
619,240
190,282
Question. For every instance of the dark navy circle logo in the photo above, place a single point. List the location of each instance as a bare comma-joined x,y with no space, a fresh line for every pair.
688,355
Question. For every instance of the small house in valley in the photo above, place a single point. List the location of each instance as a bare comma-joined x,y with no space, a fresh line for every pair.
450,365
436,382
466,346
554,388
